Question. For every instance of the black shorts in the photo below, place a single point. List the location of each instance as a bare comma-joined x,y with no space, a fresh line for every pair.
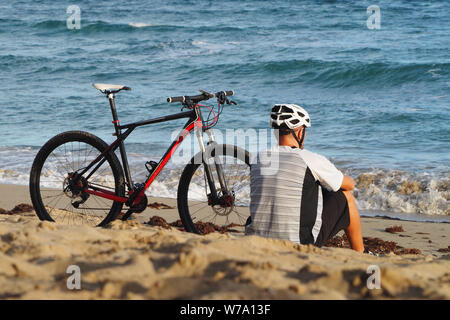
335,215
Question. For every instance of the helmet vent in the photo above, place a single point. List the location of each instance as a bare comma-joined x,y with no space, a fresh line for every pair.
285,109
276,108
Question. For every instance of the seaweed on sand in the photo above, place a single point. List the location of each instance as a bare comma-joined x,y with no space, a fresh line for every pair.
202,227
394,229
20,208
376,245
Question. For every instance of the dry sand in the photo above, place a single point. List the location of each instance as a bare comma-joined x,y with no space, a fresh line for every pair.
132,260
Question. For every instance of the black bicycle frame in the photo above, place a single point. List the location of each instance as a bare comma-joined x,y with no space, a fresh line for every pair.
195,119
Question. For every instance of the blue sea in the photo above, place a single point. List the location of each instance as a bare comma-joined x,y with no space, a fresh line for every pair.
378,98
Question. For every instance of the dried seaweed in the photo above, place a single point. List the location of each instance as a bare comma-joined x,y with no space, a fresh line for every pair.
208,227
376,245
394,229
20,208
159,222
202,227
444,250
177,224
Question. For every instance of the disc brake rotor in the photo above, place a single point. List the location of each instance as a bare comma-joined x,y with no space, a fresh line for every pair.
226,205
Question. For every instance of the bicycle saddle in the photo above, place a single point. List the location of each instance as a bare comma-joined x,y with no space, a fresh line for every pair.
109,88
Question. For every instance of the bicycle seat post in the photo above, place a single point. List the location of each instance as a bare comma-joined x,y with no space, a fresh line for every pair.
112,104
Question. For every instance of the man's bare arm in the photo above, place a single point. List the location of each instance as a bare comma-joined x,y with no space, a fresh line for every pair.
347,183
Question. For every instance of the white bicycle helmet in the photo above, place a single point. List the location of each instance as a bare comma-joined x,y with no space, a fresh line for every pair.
289,116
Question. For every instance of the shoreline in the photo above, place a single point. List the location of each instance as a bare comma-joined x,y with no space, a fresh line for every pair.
393,215
409,217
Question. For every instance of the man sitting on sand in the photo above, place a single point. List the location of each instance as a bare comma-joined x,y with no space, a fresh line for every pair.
299,195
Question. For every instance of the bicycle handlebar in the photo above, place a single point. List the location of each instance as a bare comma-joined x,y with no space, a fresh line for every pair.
204,96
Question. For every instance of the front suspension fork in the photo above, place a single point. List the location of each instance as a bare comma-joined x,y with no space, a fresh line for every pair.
208,172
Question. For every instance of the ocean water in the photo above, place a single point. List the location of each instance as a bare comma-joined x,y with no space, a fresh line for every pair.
378,99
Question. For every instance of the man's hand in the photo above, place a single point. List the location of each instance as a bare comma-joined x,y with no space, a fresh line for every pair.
347,183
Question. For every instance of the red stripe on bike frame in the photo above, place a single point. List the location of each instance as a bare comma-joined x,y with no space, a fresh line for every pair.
107,195
111,196
180,139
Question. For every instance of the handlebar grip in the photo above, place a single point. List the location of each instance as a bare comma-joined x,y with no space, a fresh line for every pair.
176,99
200,97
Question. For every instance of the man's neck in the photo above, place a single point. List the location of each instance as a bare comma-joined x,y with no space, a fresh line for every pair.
288,143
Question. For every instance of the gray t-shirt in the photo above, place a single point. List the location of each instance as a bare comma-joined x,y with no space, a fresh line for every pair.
284,181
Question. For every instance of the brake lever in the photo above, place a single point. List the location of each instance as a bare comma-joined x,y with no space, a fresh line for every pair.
230,101
188,104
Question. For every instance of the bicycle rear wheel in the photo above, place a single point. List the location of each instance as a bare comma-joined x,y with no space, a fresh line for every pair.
53,192
198,214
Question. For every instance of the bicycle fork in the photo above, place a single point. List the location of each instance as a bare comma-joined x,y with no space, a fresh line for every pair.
215,199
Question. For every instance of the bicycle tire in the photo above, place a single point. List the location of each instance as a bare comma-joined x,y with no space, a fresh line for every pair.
43,158
190,169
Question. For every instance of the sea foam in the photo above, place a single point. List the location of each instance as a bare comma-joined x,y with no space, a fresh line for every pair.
396,191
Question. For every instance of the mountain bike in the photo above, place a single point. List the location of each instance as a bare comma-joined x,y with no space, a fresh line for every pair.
77,177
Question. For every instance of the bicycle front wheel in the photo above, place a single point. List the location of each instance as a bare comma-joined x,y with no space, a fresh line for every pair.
198,213
56,197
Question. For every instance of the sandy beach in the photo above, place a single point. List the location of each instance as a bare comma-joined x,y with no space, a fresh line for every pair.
134,260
